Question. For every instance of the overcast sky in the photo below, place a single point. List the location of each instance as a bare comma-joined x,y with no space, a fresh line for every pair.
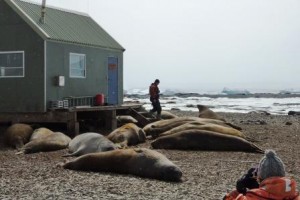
202,45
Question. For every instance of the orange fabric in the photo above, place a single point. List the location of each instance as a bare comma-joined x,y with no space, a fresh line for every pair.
276,188
232,195
153,90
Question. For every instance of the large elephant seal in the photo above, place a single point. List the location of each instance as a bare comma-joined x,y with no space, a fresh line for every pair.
127,135
17,135
89,143
40,133
140,162
158,127
52,142
209,127
205,112
195,139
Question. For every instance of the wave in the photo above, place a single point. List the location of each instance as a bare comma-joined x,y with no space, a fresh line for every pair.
235,91
226,92
289,91
286,104
278,106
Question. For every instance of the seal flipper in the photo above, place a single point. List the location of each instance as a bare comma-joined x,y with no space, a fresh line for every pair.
20,152
234,126
75,153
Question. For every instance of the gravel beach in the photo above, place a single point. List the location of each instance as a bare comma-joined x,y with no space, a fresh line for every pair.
206,174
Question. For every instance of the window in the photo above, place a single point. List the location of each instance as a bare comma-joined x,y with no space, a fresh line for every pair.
11,64
77,65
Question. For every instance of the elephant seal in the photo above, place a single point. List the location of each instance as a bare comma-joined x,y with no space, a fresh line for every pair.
158,127
124,119
52,142
140,162
40,133
167,124
205,112
89,143
195,139
209,127
167,115
127,135
17,135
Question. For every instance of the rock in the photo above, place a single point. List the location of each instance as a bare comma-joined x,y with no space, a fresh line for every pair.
259,122
293,113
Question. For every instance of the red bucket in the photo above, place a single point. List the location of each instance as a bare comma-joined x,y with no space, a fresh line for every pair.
99,100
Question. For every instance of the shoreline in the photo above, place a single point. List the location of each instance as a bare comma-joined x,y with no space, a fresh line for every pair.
254,95
279,105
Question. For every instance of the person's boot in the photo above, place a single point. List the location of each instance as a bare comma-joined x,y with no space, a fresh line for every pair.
158,116
151,113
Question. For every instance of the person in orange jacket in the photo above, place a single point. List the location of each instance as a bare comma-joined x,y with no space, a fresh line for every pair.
154,98
267,181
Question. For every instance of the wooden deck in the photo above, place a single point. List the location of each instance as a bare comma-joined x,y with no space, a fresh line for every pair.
72,116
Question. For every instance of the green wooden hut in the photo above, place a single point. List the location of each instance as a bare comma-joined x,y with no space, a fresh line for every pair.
50,55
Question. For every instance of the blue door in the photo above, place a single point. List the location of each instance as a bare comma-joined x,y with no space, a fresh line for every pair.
112,95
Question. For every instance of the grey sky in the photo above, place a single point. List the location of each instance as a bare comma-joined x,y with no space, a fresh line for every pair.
201,45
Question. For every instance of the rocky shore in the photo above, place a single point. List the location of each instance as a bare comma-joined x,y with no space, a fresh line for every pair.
206,174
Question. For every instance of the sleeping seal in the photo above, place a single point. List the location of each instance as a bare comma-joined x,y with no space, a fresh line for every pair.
158,127
17,135
140,162
52,142
40,133
195,139
127,135
124,119
89,143
167,115
209,127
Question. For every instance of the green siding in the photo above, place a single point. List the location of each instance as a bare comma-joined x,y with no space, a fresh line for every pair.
21,94
57,57
33,92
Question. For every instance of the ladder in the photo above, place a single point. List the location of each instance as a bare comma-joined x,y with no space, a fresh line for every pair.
143,117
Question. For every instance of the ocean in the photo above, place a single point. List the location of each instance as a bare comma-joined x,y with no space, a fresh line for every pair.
240,101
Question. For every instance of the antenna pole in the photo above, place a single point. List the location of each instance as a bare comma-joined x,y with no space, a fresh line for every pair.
43,11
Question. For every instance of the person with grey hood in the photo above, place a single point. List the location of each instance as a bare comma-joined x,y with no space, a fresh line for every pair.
266,181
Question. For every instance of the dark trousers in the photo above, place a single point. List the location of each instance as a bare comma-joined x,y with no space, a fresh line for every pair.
156,105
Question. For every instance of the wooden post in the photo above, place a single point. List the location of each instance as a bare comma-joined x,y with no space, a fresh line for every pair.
73,128
110,119
72,124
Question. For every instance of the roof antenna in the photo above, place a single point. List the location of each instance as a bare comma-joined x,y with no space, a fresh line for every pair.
43,11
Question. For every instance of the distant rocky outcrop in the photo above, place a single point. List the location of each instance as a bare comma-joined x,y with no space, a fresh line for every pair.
294,112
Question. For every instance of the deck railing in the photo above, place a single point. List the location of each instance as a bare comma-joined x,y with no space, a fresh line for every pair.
69,102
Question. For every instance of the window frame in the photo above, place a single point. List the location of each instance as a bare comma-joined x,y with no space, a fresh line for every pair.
70,71
23,62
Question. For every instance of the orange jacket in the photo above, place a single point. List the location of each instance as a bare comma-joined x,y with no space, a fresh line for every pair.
154,91
275,188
